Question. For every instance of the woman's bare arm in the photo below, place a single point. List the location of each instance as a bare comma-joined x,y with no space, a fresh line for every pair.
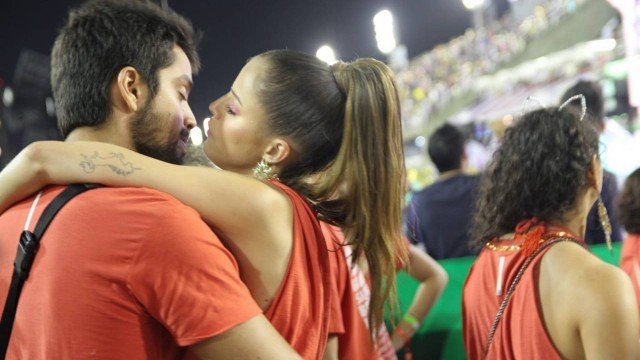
331,350
225,200
608,315
588,306
433,280
253,339
21,178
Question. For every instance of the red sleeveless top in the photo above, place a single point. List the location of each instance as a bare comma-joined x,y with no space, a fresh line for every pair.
300,309
630,261
521,333
350,304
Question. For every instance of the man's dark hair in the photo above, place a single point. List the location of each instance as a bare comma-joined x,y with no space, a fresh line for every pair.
98,40
446,147
593,95
629,203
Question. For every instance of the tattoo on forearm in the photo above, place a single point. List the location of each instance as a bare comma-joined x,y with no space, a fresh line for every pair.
114,161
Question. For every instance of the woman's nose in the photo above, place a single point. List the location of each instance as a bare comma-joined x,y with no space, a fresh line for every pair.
212,109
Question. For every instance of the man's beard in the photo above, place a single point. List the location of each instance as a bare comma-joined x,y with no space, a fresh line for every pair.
150,139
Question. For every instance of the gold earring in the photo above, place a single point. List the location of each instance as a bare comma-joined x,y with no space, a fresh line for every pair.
606,224
264,171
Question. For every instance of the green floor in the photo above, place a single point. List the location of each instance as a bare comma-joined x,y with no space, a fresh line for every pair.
441,334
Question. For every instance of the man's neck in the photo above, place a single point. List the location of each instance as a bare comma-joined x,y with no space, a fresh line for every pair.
449,174
106,135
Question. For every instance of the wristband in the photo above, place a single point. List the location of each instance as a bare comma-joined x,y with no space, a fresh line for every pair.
411,320
403,334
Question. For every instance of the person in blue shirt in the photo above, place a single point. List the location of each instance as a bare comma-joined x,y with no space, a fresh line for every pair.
439,216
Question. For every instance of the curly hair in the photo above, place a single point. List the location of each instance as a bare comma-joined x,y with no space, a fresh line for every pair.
539,171
629,203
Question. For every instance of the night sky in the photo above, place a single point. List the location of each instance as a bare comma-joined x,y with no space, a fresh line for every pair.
233,31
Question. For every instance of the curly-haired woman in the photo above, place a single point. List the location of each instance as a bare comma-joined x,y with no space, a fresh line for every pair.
629,215
535,292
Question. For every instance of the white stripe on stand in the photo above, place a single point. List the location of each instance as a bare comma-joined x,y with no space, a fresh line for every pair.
500,275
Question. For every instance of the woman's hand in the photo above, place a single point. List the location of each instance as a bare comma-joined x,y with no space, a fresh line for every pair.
401,335
23,176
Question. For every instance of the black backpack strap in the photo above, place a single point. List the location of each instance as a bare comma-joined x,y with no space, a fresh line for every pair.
27,248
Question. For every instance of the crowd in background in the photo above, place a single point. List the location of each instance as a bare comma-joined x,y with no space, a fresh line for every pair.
536,179
435,78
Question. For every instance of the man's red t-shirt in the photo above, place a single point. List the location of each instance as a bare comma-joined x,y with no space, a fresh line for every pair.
121,273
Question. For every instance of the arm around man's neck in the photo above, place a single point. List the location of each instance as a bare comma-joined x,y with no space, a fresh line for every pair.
253,339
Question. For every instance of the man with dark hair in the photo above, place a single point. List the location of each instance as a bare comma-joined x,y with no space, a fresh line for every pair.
91,52
128,273
596,117
439,216
592,93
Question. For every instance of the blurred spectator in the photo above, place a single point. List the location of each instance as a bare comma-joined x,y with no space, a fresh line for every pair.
595,116
629,210
435,78
622,150
439,216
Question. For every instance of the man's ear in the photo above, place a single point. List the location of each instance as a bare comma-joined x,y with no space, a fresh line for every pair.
129,91
277,152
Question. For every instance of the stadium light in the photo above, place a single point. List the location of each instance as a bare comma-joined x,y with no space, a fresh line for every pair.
326,54
473,4
8,97
205,125
385,34
50,106
196,135
602,45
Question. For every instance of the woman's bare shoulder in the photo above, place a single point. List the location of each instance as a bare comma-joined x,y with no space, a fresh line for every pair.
575,263
593,283
588,303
